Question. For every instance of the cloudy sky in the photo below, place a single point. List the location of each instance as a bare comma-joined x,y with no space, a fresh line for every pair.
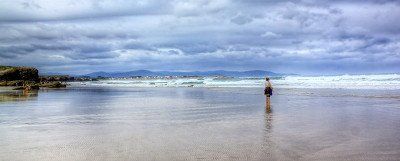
299,36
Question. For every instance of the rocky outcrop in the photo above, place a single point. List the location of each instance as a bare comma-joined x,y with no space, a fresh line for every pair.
27,78
8,73
52,78
53,85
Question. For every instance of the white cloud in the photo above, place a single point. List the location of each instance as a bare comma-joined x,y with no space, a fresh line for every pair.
270,35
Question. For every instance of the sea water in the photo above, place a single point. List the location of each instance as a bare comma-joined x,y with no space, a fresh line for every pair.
388,81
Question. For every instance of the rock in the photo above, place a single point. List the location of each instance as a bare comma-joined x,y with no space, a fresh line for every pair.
50,78
19,88
27,78
8,73
32,87
12,83
53,85
28,86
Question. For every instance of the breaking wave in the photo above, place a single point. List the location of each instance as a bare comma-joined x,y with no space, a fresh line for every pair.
387,81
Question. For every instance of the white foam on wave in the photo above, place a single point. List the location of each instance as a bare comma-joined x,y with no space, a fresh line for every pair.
387,81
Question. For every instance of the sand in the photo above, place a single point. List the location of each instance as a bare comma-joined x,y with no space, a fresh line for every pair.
200,124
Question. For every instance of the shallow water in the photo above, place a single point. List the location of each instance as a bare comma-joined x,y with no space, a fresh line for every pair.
111,123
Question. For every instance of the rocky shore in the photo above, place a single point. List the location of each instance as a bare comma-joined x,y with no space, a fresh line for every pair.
27,78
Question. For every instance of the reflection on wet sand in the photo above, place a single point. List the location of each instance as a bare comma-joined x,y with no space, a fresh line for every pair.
268,120
268,143
17,95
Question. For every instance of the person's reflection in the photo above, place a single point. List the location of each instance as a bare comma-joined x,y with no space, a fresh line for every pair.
268,119
268,146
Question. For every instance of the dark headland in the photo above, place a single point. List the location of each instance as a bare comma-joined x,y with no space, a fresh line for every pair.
28,78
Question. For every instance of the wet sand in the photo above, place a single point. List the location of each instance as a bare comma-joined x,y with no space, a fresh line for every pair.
200,124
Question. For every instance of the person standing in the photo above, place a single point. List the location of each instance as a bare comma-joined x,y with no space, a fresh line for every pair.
268,92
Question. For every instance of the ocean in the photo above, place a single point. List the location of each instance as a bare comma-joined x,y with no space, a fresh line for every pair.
388,81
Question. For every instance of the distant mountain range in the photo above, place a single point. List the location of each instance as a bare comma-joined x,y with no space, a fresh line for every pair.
251,73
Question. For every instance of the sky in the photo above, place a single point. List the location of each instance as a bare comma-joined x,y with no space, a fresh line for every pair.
298,36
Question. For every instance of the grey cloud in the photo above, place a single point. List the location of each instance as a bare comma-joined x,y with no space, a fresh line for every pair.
241,19
301,36
30,5
91,51
92,55
30,11
7,51
191,48
93,48
50,47
138,46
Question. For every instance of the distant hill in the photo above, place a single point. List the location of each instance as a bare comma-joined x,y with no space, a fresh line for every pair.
250,73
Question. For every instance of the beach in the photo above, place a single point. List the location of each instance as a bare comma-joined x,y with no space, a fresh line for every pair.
199,80
181,123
